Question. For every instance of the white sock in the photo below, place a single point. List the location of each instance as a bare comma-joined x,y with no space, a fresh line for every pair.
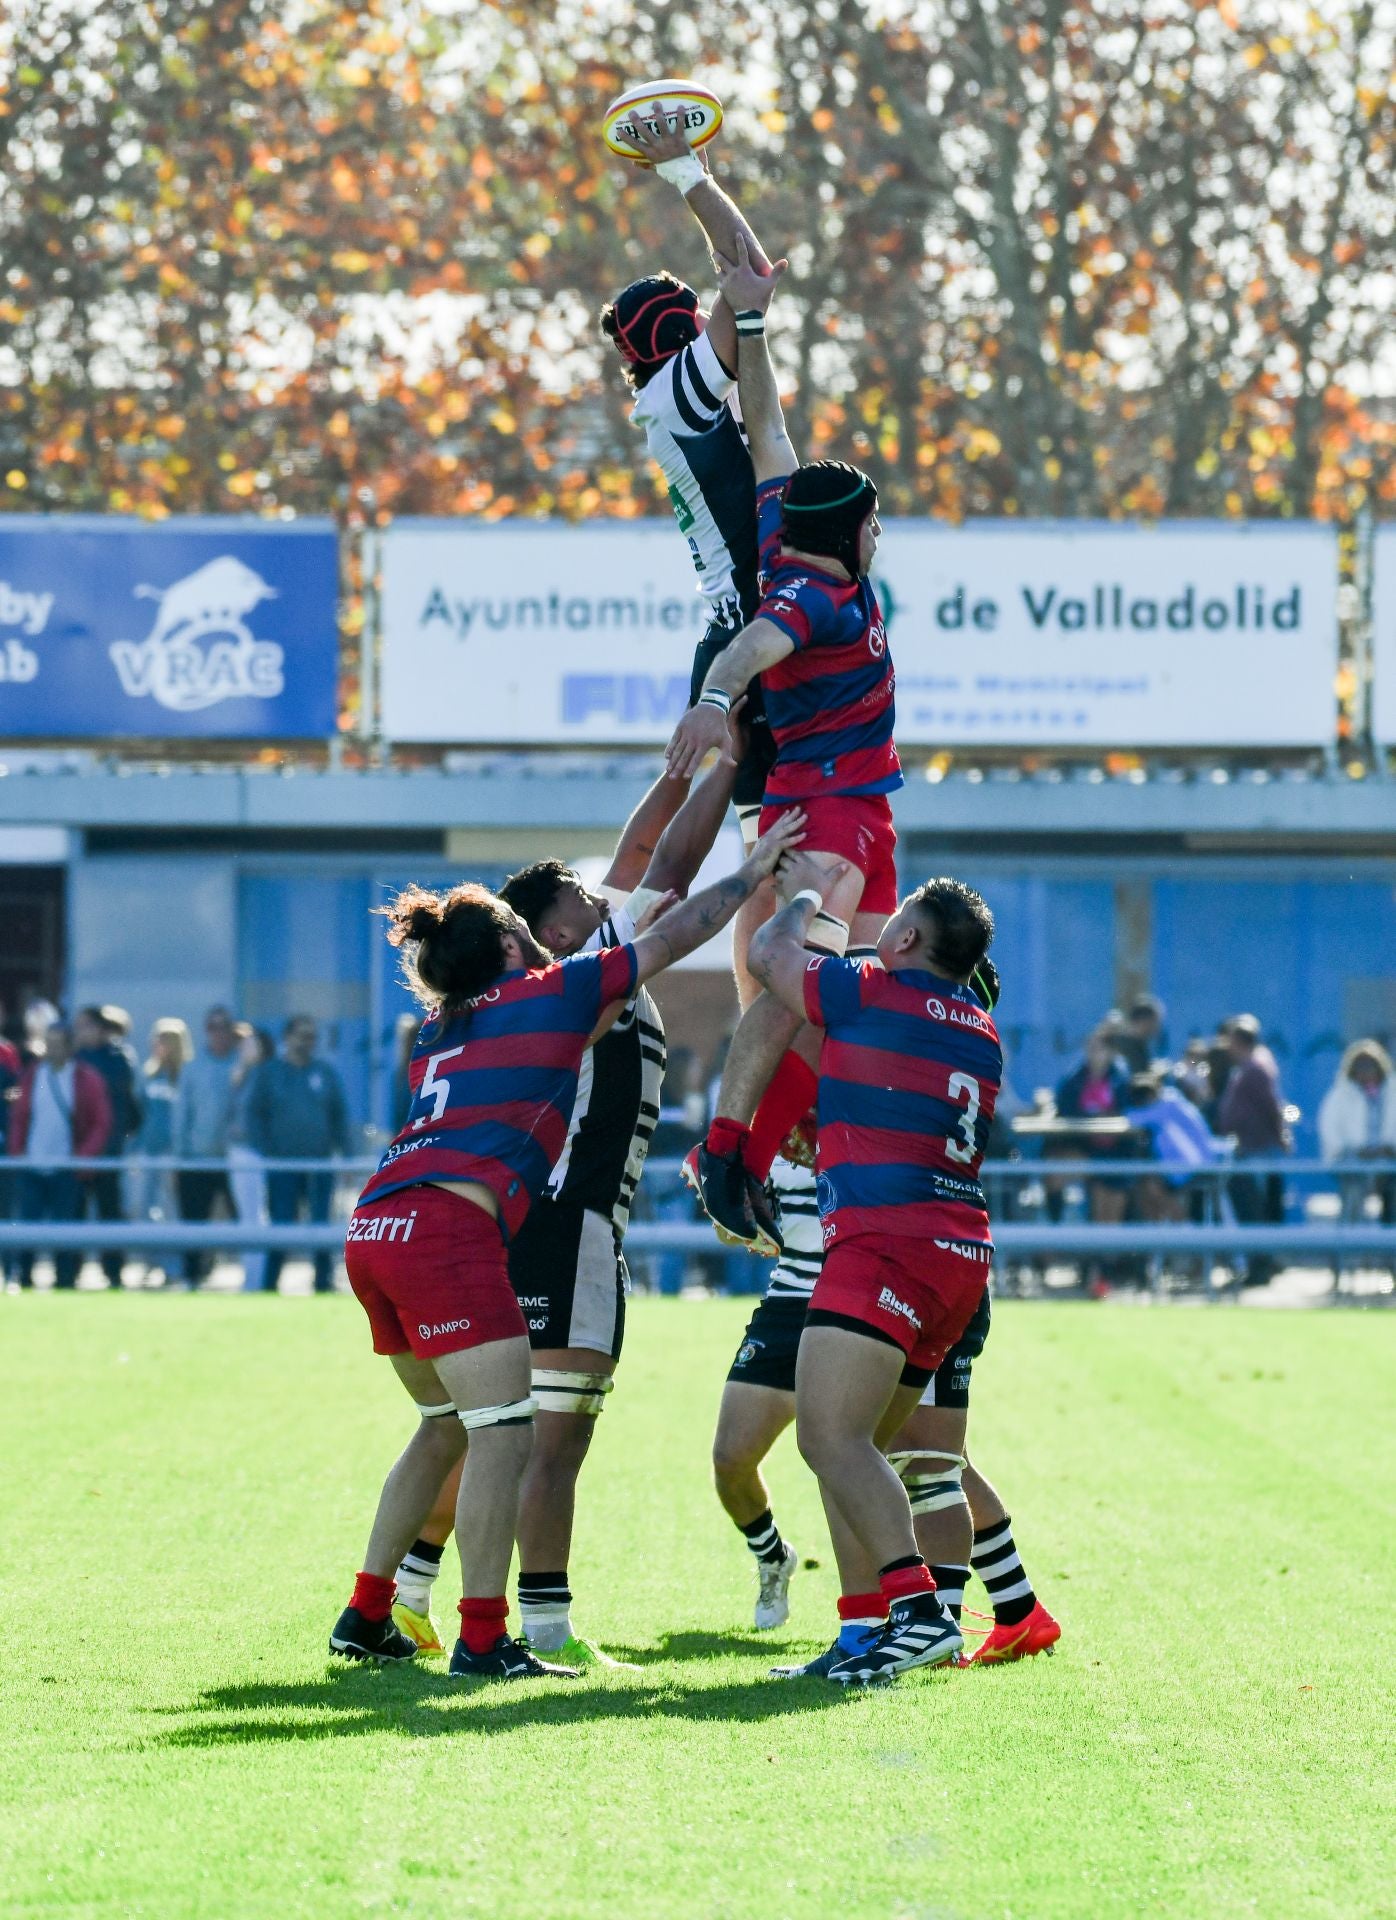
417,1575
545,1608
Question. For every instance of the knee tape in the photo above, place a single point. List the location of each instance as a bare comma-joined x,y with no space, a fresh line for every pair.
827,934
446,1408
518,1413
557,1391
931,1478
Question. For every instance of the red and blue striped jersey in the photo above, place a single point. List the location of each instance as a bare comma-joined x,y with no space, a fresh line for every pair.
493,1085
908,1077
830,702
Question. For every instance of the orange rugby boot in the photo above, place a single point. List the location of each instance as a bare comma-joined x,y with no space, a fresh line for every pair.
1039,1633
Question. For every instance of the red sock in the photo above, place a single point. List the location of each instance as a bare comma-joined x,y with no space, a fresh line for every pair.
862,1606
904,1580
373,1596
784,1104
482,1622
725,1136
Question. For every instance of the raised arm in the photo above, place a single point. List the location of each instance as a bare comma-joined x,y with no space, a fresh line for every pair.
778,956
689,838
716,212
642,834
704,726
687,926
749,292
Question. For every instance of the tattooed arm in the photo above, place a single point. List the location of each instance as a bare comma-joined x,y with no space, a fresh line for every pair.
686,926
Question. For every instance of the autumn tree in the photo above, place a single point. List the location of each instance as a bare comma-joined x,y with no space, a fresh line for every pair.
1047,259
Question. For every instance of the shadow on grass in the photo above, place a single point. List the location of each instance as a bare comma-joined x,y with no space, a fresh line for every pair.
418,1703
705,1646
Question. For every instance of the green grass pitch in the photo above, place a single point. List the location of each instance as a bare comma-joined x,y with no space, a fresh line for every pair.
1203,1497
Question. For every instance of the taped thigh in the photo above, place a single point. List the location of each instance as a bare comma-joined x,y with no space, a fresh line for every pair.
559,1391
827,934
749,820
931,1478
515,1413
443,1412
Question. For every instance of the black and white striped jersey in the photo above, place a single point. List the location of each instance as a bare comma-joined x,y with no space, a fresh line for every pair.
617,1107
697,442
794,1274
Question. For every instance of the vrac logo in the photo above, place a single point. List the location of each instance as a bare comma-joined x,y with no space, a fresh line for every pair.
201,649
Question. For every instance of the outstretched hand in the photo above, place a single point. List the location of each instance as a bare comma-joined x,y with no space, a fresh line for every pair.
702,728
656,140
742,283
777,845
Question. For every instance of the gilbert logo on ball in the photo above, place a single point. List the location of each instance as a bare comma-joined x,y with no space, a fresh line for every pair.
683,105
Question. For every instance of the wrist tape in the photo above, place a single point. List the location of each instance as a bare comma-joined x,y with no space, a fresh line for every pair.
715,697
751,321
815,899
685,173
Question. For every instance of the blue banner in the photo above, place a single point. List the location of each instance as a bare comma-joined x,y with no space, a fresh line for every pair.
187,627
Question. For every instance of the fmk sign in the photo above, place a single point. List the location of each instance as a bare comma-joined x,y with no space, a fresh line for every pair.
1002,632
182,627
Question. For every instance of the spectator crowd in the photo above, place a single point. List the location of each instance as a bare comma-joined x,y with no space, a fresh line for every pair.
87,1125
1218,1104
236,1128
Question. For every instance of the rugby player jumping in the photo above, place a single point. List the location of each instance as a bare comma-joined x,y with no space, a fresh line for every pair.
819,644
681,365
494,1078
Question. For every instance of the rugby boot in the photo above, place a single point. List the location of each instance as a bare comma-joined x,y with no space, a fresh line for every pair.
355,1638
823,1664
724,1188
773,1592
1038,1633
506,1660
582,1654
420,1628
919,1633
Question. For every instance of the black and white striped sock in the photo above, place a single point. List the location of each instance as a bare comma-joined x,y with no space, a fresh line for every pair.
950,1588
420,1566
763,1537
995,1559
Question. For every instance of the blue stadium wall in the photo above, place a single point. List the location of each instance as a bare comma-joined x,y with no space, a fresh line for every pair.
1304,943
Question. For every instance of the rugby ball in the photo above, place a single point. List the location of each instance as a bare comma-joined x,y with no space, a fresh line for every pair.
684,106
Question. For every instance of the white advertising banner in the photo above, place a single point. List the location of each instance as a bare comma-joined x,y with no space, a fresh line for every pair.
1384,636
1004,633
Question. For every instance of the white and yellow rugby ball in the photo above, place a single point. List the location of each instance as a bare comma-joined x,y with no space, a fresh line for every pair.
685,106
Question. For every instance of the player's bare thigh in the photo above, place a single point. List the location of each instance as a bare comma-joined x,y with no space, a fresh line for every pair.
494,1375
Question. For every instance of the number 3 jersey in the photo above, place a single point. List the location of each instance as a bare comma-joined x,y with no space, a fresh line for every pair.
908,1077
494,1084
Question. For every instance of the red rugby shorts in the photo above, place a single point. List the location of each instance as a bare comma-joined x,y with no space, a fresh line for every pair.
858,828
430,1270
917,1294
